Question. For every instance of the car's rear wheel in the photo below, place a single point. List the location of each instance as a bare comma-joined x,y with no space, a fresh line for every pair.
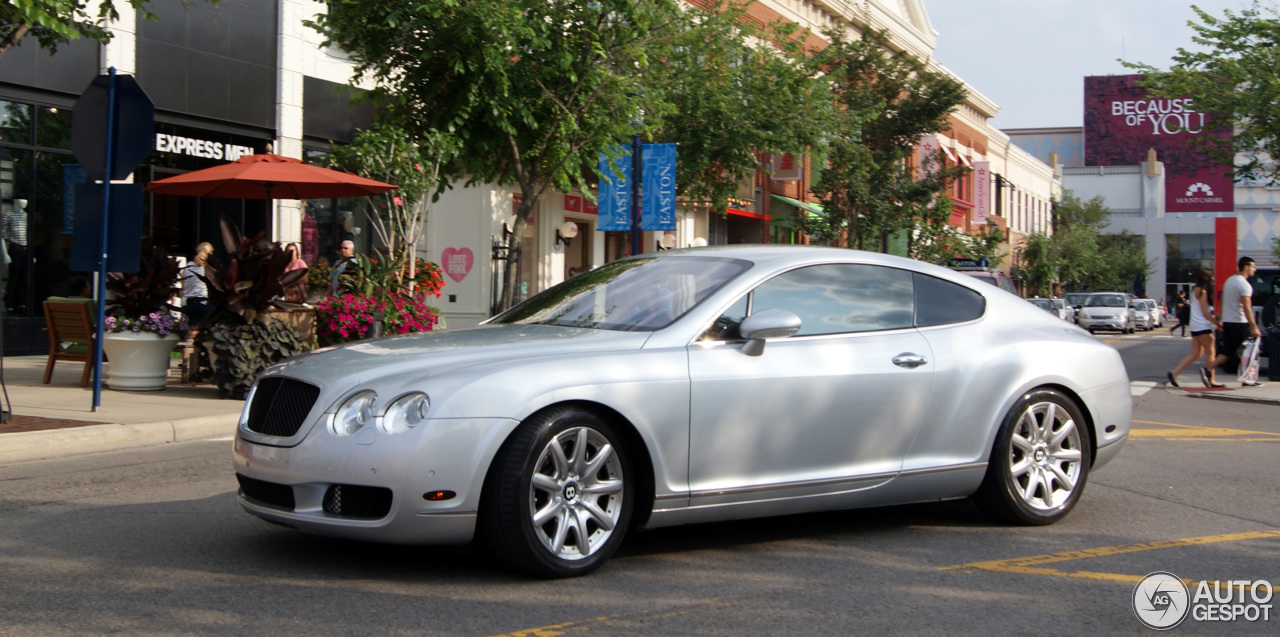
1040,462
559,497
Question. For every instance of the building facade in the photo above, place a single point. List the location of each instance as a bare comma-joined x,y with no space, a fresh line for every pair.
1137,153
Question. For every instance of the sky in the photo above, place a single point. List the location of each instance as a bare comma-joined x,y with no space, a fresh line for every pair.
1030,57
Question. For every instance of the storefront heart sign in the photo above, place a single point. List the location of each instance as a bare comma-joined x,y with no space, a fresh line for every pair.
457,262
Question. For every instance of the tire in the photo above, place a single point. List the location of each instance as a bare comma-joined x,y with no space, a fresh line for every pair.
1036,475
559,496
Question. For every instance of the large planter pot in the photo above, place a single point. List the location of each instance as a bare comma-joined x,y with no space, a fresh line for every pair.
138,361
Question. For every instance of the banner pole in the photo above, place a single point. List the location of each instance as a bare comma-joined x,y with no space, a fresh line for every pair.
106,224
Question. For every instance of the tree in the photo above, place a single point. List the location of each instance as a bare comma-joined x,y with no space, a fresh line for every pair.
737,90
534,90
1077,256
392,155
55,22
1234,77
886,101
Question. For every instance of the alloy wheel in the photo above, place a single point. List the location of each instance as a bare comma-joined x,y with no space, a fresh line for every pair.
576,493
1046,455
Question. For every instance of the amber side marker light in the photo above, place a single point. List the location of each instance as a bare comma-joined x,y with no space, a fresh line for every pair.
438,496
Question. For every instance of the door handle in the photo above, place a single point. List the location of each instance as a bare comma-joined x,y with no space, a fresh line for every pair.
909,360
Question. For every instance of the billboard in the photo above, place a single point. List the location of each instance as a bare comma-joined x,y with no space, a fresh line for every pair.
1121,122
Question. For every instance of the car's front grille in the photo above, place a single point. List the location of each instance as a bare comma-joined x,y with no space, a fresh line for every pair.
268,493
280,406
354,501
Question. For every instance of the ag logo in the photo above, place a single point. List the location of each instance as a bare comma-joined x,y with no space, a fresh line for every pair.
1161,600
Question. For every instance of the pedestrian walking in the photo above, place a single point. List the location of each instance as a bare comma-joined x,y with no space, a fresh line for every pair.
1202,325
1181,311
1238,323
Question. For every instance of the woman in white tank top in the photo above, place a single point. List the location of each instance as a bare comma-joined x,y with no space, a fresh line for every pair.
1203,323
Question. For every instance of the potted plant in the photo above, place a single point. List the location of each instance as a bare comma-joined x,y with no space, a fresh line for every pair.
242,334
141,327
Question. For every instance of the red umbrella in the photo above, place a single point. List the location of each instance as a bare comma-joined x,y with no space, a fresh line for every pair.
268,176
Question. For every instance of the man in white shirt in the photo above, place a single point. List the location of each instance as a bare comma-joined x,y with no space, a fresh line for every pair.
1238,323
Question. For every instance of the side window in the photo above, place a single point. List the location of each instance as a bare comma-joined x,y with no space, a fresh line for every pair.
940,302
725,328
834,299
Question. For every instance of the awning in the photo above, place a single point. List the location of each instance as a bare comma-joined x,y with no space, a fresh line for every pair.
811,207
964,159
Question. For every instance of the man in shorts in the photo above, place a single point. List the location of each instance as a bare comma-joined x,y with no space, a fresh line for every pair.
1238,323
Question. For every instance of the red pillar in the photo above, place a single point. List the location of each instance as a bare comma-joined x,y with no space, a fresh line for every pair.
1224,253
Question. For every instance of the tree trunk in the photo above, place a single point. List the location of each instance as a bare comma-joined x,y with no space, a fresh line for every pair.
18,31
513,245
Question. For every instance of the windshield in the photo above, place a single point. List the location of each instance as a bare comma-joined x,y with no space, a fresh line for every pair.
1076,299
633,295
1105,300
1043,304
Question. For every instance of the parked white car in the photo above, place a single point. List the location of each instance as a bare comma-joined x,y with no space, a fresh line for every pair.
1065,311
1108,311
1155,315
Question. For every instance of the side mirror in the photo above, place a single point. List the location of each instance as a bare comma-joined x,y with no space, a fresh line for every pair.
767,324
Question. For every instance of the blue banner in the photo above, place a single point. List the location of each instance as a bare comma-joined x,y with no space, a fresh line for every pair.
72,176
658,199
615,192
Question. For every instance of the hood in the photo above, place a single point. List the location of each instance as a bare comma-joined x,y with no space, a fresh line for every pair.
353,363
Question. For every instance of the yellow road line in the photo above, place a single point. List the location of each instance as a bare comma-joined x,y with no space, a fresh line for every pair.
1197,432
557,630
1032,565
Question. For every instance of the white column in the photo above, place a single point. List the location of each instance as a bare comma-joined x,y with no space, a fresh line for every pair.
122,51
287,218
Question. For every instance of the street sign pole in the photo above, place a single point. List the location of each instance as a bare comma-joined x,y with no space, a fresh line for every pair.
637,166
106,225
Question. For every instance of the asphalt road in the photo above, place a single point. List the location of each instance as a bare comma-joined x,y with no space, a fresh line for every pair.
151,542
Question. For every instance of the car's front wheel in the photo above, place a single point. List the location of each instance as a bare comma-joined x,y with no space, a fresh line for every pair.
1040,461
558,499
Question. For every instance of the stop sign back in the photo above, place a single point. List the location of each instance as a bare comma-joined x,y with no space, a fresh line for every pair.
134,127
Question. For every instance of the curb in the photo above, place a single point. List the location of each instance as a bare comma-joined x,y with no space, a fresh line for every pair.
1239,399
56,443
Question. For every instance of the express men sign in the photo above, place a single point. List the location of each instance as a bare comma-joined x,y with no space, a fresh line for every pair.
1122,121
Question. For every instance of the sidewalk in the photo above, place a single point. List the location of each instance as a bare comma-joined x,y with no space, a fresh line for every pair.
57,419
1268,393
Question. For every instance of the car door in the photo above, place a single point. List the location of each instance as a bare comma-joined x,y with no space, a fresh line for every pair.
831,408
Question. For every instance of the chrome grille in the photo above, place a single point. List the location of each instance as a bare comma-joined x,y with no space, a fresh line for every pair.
280,406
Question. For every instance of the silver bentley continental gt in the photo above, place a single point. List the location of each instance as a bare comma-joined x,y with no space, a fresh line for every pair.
683,387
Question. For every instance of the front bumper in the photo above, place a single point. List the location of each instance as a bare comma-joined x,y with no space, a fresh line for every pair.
438,455
1119,324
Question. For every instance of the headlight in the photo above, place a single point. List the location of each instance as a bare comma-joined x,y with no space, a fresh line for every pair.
405,413
354,414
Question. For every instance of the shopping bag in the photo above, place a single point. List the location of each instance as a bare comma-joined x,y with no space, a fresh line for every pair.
1250,360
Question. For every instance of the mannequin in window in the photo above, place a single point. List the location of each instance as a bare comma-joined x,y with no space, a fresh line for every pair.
15,245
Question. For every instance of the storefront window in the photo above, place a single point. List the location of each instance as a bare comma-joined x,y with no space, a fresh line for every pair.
1185,254
15,183
53,127
15,123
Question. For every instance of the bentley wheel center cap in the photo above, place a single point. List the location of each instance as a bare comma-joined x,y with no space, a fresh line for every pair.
571,492
1041,454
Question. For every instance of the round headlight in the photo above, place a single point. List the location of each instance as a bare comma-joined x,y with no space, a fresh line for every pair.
405,413
355,413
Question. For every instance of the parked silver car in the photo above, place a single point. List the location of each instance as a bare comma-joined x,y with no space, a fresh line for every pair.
1154,315
1108,311
682,387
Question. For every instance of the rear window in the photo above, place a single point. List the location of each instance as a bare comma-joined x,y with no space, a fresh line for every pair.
940,302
